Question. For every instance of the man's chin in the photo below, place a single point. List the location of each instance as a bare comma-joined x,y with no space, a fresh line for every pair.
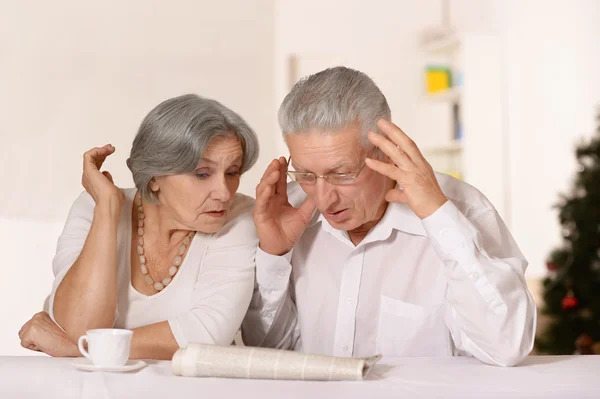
343,224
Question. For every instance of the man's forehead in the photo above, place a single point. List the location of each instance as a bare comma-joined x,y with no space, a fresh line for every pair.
322,140
324,150
316,133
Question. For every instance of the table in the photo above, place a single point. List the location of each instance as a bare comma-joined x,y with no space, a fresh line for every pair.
459,377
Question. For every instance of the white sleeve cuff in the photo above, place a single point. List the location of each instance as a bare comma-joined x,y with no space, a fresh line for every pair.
450,232
273,271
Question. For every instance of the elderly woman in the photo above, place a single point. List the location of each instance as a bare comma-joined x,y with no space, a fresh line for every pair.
173,258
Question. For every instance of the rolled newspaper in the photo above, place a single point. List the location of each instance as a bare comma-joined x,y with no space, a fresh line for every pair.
197,360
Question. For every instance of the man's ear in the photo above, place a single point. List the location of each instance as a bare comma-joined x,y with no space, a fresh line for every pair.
383,157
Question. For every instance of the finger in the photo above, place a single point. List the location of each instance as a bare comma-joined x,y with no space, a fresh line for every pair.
260,189
306,209
396,154
273,166
93,161
108,176
23,329
270,180
384,168
263,193
26,342
396,195
99,152
266,188
281,187
267,181
96,156
401,139
30,345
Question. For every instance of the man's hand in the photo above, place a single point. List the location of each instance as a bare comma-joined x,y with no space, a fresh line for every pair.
279,225
420,189
43,335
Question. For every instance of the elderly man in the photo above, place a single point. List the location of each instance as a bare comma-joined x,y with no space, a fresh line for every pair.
369,250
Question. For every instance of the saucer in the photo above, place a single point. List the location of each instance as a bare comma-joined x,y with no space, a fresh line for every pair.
85,364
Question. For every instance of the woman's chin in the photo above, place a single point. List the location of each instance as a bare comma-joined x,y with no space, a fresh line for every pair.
210,229
209,224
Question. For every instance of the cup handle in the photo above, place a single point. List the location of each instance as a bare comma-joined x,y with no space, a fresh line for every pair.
81,348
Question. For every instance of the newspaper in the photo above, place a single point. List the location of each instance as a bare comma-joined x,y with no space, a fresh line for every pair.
199,360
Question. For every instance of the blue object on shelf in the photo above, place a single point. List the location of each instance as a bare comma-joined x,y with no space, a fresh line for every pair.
457,79
459,131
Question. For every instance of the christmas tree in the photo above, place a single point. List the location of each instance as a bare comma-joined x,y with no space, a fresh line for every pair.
572,288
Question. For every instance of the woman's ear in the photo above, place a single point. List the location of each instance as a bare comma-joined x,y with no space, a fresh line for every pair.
154,186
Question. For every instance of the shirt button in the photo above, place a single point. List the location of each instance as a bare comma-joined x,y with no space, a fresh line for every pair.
349,300
444,232
268,314
281,275
345,348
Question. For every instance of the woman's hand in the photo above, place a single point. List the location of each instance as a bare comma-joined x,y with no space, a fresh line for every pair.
98,184
43,335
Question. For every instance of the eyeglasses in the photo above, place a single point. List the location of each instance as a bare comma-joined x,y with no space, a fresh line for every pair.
331,178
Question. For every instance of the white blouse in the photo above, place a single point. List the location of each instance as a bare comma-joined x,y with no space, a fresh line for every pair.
209,295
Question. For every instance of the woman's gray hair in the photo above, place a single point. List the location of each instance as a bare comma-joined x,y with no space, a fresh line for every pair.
332,100
175,134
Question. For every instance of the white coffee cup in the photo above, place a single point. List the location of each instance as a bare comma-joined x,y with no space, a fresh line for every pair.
107,347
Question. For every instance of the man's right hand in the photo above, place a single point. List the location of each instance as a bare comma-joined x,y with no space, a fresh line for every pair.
279,225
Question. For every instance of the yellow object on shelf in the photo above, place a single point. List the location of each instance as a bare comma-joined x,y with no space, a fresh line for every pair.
437,79
454,173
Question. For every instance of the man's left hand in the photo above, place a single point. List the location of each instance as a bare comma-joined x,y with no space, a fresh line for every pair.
419,186
43,335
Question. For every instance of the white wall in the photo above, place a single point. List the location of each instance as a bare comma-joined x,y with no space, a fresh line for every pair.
80,74
374,37
553,59
380,38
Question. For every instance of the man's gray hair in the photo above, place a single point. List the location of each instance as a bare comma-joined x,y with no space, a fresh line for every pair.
331,100
175,134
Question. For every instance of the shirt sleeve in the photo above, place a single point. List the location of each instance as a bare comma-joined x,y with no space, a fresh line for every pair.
70,242
491,313
272,320
223,288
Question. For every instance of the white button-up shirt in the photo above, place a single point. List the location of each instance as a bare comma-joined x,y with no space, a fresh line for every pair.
450,284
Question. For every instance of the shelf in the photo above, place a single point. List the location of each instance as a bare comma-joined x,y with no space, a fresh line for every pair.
445,44
450,95
450,148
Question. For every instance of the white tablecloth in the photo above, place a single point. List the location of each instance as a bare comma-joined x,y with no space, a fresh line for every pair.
460,377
